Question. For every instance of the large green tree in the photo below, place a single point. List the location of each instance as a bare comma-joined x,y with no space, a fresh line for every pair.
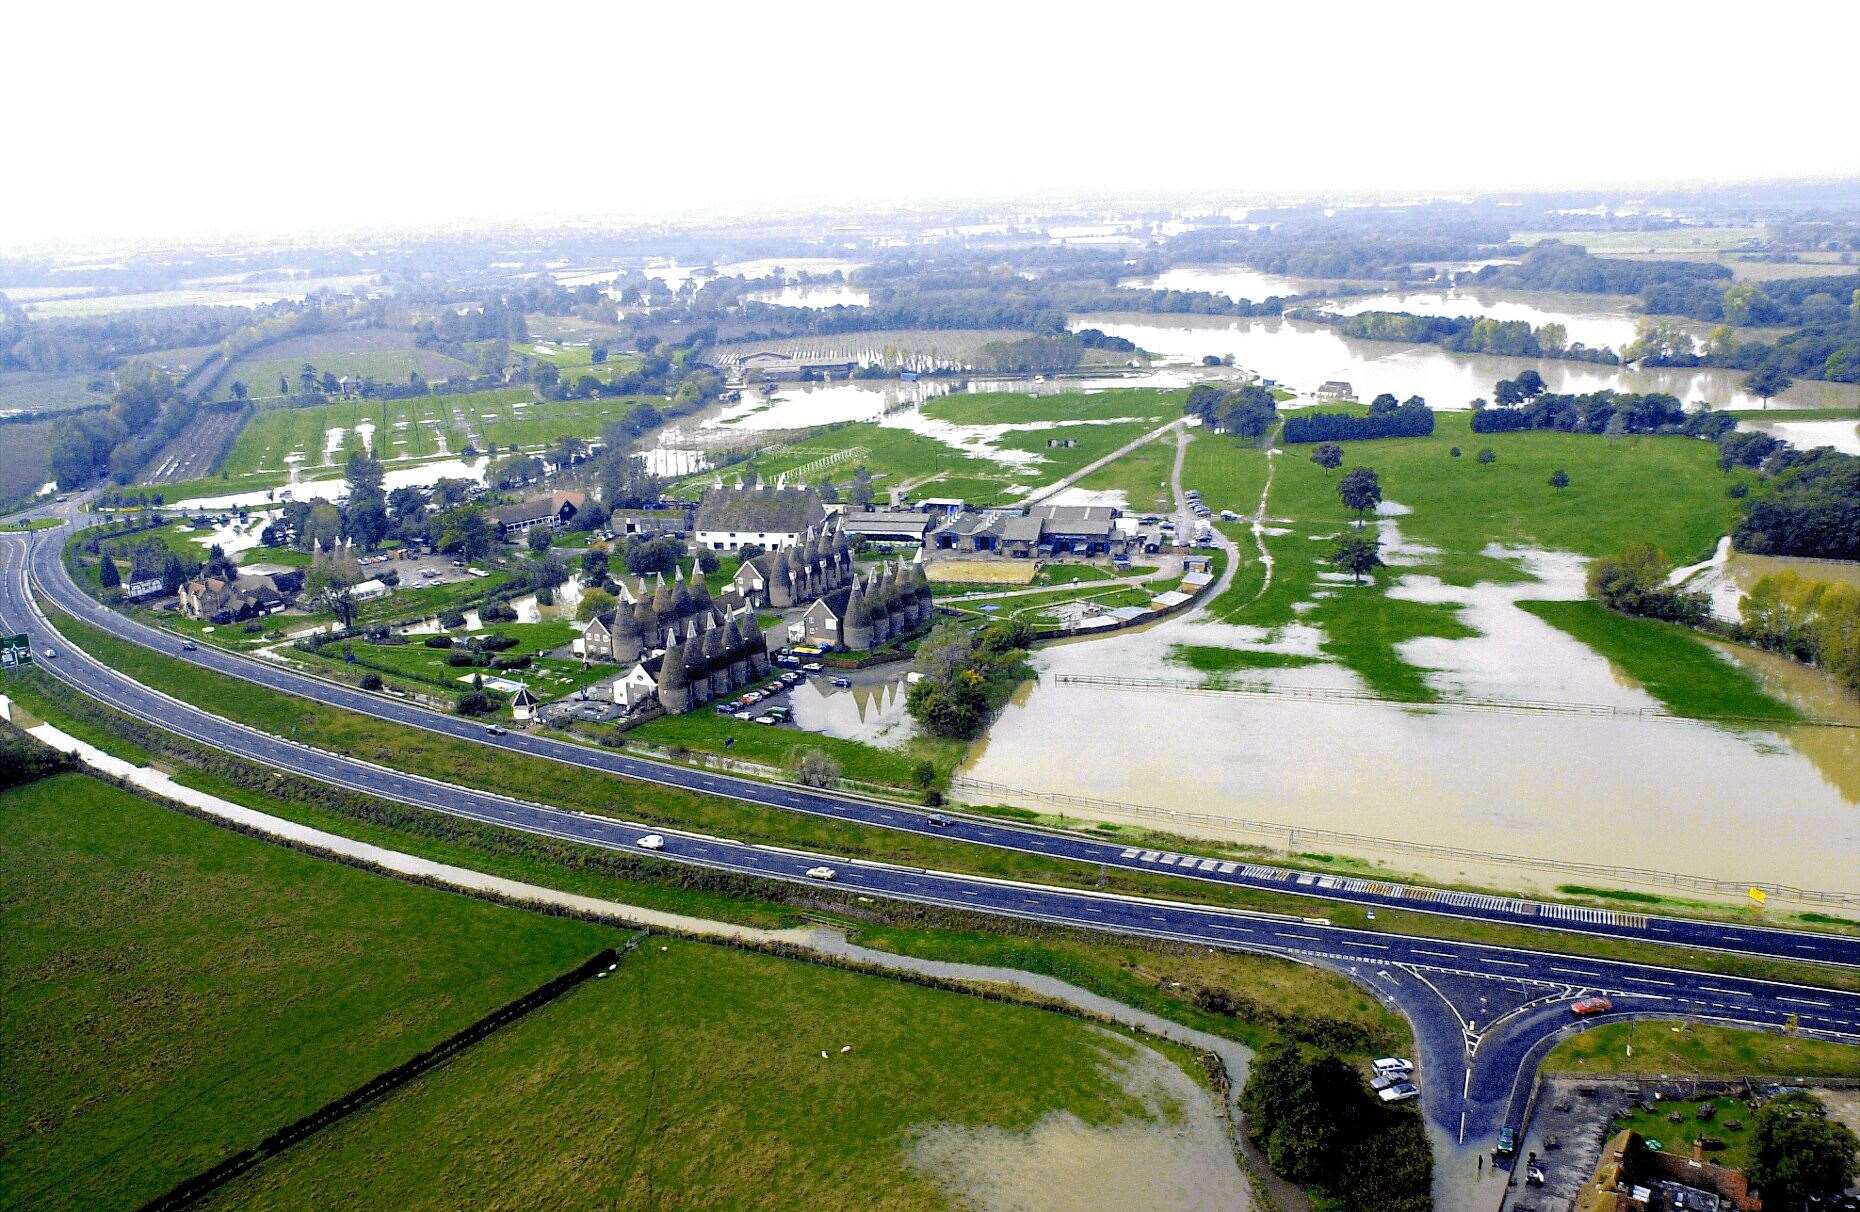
1799,1154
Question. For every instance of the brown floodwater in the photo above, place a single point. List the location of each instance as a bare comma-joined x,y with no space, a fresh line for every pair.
1176,1158
1760,806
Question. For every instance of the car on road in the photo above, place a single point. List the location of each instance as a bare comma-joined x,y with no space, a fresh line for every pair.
843,683
497,730
1585,1006
1399,1065
651,841
1399,1093
941,822
52,653
1507,1142
189,646
820,873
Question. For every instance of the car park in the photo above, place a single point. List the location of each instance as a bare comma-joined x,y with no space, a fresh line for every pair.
820,873
651,841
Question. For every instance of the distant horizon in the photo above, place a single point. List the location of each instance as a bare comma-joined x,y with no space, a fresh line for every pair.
1104,202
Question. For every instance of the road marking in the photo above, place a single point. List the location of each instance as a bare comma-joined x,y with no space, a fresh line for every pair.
1436,954
1726,992
1803,1001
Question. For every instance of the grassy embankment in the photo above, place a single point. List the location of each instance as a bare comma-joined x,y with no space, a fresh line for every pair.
1665,490
555,783
174,991
695,1075
426,668
1699,1050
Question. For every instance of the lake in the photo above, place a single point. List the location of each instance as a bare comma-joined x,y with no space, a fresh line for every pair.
1302,355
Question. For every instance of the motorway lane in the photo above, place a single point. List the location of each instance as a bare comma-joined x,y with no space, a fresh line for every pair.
53,580
1396,966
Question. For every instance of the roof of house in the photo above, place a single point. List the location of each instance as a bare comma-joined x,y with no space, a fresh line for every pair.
535,508
885,522
972,523
834,603
1022,530
1097,521
764,510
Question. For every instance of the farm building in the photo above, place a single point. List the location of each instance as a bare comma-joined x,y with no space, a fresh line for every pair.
729,519
886,526
647,610
216,600
893,601
552,511
651,522
819,564
1336,389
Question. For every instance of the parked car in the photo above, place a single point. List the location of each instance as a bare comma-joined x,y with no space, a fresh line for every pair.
784,659
1399,1093
1507,1142
651,841
843,683
768,719
790,678
1383,1081
741,715
726,708
782,714
820,873
1399,1065
1583,1007
812,667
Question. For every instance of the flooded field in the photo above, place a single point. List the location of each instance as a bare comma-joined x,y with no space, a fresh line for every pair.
1176,1158
1843,435
1757,805
1302,355
874,714
1598,321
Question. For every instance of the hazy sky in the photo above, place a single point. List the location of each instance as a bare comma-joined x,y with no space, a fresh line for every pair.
193,118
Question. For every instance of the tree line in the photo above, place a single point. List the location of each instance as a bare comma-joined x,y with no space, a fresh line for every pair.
1411,418
1462,334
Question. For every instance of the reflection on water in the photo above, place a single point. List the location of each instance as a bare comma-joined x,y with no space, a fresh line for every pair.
1302,355
1835,751
1598,321
1235,281
824,295
873,714
1844,436
1667,794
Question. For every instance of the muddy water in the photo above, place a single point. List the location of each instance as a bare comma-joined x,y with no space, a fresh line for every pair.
1673,795
1843,435
1302,355
873,714
1598,321
1176,1157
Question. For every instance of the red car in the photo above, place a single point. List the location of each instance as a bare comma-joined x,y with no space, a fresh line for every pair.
1583,1007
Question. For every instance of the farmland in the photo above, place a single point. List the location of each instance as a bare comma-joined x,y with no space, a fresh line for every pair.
174,991
27,465
703,1076
384,355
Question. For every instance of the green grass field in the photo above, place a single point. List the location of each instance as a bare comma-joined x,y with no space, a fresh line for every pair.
1229,474
414,664
386,356
896,456
1142,476
1673,664
1700,1049
693,1077
706,731
175,991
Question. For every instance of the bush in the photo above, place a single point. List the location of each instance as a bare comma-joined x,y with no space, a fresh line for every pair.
517,662
438,641
461,659
815,769
476,702
497,642
371,681
451,618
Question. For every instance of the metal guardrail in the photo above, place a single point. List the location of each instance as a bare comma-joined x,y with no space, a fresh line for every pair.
1299,835
1351,694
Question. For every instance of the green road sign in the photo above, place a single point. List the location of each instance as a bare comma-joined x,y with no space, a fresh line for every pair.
15,650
